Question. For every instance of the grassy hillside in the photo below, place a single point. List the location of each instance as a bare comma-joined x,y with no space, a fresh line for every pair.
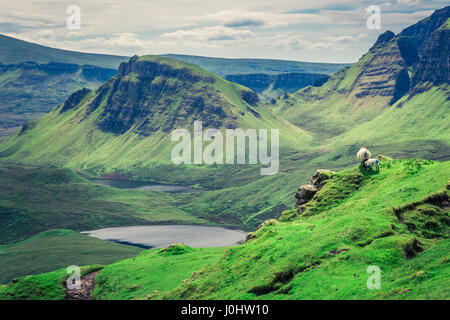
152,272
58,248
14,51
102,136
397,219
29,90
46,286
356,220
35,199
158,269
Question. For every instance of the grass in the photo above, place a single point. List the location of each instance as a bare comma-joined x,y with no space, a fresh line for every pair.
324,253
149,274
55,249
152,272
46,286
27,92
34,199
356,220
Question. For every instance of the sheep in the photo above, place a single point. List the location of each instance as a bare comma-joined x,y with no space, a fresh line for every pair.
363,155
372,163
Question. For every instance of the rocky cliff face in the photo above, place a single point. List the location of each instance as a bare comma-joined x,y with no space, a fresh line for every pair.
306,192
422,31
148,96
434,65
398,64
383,68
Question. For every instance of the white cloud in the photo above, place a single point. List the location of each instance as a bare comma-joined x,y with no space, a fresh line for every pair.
209,36
263,19
408,2
291,29
345,38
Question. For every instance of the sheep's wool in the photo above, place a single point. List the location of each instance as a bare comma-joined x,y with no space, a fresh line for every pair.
363,154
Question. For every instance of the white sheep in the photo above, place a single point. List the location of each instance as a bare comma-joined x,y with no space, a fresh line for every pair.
363,155
372,163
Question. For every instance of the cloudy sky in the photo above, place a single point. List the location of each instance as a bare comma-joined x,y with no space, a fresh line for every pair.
319,30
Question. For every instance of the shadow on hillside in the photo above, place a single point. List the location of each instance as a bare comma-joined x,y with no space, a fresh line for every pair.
368,171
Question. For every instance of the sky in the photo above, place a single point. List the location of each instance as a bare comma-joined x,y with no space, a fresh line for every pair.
312,30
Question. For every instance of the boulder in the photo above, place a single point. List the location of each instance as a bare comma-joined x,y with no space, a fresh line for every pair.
305,193
319,178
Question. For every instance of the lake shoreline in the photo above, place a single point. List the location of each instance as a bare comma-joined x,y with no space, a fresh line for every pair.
161,236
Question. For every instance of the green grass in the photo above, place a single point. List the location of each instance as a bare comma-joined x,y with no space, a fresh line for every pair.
292,259
152,272
46,286
148,275
55,249
396,219
34,199
28,92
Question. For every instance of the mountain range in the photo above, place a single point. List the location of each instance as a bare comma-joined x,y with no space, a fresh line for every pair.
395,100
35,81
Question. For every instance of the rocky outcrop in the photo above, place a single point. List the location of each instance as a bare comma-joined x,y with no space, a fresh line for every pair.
250,97
402,85
408,50
381,69
434,65
74,99
154,69
148,96
422,30
306,192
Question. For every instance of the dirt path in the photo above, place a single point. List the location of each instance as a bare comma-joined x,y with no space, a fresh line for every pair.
87,285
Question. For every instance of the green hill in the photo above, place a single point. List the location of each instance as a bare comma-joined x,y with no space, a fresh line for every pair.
58,248
35,199
224,66
397,220
125,125
395,98
28,90
14,51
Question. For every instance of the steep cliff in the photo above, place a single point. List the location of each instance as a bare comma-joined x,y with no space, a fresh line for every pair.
434,65
150,96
